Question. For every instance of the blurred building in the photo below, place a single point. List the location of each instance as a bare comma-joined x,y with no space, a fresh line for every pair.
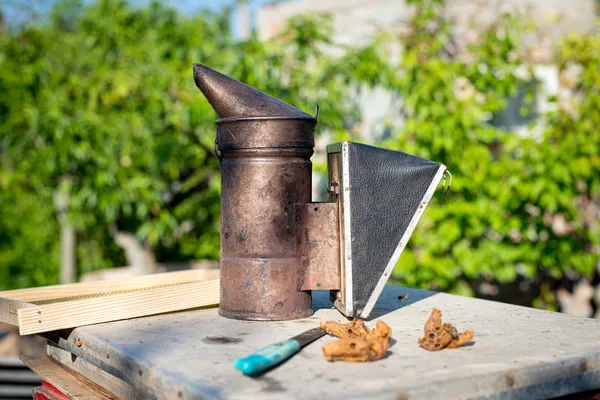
357,21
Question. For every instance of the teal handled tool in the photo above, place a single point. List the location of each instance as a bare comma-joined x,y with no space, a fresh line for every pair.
268,357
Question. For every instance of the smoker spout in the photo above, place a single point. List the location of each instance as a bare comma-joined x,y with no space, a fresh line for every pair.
233,99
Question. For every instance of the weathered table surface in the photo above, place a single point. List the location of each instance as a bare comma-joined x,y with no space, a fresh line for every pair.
517,353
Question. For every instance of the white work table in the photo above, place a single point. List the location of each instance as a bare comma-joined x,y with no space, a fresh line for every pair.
517,353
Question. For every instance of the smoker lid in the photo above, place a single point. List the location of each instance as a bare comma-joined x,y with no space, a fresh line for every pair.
234,100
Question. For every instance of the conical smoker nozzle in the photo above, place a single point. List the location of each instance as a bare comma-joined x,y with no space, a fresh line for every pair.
233,99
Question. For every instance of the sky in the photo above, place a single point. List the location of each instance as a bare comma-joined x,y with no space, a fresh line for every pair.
192,5
195,5
13,9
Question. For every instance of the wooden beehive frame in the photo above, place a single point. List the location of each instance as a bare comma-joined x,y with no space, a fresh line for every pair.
51,308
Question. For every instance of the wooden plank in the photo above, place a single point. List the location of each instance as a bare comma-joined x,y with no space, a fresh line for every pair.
87,288
76,313
9,310
98,376
72,384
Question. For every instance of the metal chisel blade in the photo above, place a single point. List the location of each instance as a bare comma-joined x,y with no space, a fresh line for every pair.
309,336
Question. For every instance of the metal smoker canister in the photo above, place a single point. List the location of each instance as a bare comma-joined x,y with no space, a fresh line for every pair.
264,146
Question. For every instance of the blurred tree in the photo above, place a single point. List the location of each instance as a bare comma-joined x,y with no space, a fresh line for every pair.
29,248
521,208
99,116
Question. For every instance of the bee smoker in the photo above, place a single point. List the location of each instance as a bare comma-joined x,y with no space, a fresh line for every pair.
276,245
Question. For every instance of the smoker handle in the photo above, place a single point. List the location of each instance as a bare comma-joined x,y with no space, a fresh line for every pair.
267,357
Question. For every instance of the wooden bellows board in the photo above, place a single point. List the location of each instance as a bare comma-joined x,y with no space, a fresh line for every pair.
50,308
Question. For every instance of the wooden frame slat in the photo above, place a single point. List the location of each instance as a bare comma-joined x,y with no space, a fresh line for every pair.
73,305
70,314
9,309
69,382
86,288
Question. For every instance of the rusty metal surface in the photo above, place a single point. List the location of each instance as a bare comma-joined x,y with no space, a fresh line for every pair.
258,134
265,147
334,174
317,246
257,234
262,289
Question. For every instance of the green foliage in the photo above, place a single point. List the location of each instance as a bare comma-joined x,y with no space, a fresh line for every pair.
518,206
28,241
100,110
98,107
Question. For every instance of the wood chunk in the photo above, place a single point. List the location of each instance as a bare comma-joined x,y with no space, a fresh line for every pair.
76,386
354,329
440,336
370,346
436,336
463,338
382,331
355,350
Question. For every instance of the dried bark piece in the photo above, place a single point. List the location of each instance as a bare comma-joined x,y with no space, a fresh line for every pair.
355,350
371,346
436,336
354,329
382,331
440,336
463,338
